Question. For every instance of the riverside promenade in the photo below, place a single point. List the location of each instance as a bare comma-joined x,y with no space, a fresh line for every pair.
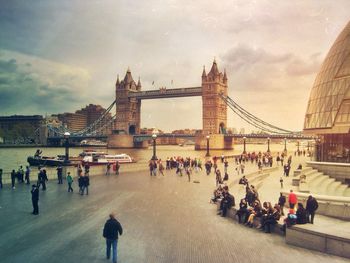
165,219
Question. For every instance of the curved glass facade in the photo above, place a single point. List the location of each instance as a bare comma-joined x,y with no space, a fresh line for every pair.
329,102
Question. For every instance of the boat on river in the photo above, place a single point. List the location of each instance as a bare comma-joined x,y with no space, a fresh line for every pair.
103,159
48,161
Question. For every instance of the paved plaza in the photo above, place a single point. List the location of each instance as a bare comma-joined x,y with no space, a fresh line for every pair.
165,219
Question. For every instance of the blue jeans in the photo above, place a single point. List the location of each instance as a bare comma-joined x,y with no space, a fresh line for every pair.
113,243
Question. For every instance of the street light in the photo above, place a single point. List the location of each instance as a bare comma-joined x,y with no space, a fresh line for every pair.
244,139
207,154
268,144
285,144
66,144
154,137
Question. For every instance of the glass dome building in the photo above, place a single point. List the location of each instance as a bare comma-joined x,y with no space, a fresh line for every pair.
328,109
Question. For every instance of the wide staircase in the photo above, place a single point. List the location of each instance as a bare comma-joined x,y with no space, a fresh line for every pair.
319,183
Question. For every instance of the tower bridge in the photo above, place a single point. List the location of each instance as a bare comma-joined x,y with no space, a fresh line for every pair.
214,109
215,101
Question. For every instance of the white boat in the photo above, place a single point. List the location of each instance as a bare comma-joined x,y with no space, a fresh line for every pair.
99,159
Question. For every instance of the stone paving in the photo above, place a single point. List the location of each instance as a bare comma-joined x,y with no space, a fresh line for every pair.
165,219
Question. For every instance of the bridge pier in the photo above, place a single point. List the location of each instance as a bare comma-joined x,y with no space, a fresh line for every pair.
124,141
216,142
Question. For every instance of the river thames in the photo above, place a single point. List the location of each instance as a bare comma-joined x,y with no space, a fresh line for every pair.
12,158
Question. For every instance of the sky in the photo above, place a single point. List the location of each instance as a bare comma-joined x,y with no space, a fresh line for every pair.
58,56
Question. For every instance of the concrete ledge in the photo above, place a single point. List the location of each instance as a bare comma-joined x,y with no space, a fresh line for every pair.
303,236
306,237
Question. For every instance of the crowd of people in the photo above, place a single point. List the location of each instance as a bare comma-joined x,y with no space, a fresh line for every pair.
251,210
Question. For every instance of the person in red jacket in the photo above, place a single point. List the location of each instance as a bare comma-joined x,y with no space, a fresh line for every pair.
292,199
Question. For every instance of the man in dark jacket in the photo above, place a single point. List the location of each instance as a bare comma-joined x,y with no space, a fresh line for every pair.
35,199
86,183
226,203
311,207
281,203
110,233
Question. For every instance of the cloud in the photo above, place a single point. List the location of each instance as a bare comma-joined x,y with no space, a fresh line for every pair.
244,56
44,87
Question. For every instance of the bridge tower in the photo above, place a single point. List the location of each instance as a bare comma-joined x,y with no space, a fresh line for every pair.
128,114
128,110
214,110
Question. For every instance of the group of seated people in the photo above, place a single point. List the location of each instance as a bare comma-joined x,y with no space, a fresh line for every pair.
250,208
226,199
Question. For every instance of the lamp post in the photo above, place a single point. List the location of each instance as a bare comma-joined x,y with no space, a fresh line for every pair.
268,144
244,142
207,154
154,137
66,144
285,144
308,146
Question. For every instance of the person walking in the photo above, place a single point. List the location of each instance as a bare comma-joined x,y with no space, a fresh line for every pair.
86,183
108,169
117,167
27,175
281,203
161,167
35,199
69,181
110,232
60,174
311,207
281,181
20,174
81,185
13,179
0,178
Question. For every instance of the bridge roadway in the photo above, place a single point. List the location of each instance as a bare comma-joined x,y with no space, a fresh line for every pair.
166,93
165,219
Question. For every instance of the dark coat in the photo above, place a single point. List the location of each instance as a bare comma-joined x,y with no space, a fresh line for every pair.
35,194
282,200
111,229
301,216
311,205
86,181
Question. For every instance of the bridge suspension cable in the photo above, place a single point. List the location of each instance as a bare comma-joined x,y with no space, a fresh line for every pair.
252,119
92,126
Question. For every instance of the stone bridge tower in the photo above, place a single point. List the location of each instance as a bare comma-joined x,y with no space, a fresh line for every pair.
128,110
214,111
214,108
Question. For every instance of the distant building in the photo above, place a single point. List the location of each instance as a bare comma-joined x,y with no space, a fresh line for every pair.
93,113
73,121
21,129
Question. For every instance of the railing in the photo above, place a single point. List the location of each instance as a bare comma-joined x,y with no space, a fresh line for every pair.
166,93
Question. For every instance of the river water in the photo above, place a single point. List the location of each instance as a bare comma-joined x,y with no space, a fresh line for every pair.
12,158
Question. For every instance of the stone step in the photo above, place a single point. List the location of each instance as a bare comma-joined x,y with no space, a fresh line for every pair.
340,190
347,192
320,185
332,188
307,169
315,179
309,173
